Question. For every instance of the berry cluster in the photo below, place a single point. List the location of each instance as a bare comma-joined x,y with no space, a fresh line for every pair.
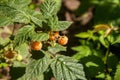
37,45
54,36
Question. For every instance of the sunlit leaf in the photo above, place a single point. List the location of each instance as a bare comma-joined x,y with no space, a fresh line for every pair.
23,34
22,50
117,74
56,48
84,34
40,37
66,68
37,67
62,25
82,51
13,11
48,8
103,41
36,17
16,3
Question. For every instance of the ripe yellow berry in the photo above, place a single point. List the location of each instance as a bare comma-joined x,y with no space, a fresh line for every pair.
63,40
36,45
54,36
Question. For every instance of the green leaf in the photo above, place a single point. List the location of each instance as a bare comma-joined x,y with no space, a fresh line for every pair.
62,25
58,3
56,25
15,3
4,41
108,77
117,73
37,67
103,41
23,50
117,40
8,16
48,8
40,37
66,68
56,48
53,22
93,65
114,1
23,35
109,7
101,75
112,61
19,64
14,15
111,38
4,20
22,16
84,34
2,65
82,51
41,77
13,11
36,17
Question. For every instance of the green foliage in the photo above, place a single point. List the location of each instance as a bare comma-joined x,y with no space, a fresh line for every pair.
117,40
84,34
36,17
94,66
98,51
49,8
4,20
56,25
3,65
40,37
103,41
66,68
62,25
36,67
27,63
23,35
22,49
106,11
55,49
15,3
16,11
117,74
83,51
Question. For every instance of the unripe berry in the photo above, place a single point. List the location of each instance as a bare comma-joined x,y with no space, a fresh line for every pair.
36,45
63,40
19,57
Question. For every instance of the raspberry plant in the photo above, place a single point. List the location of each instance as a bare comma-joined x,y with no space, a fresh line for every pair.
99,48
28,64
102,55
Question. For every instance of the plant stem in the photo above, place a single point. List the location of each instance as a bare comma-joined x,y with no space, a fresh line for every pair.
13,28
105,62
106,56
